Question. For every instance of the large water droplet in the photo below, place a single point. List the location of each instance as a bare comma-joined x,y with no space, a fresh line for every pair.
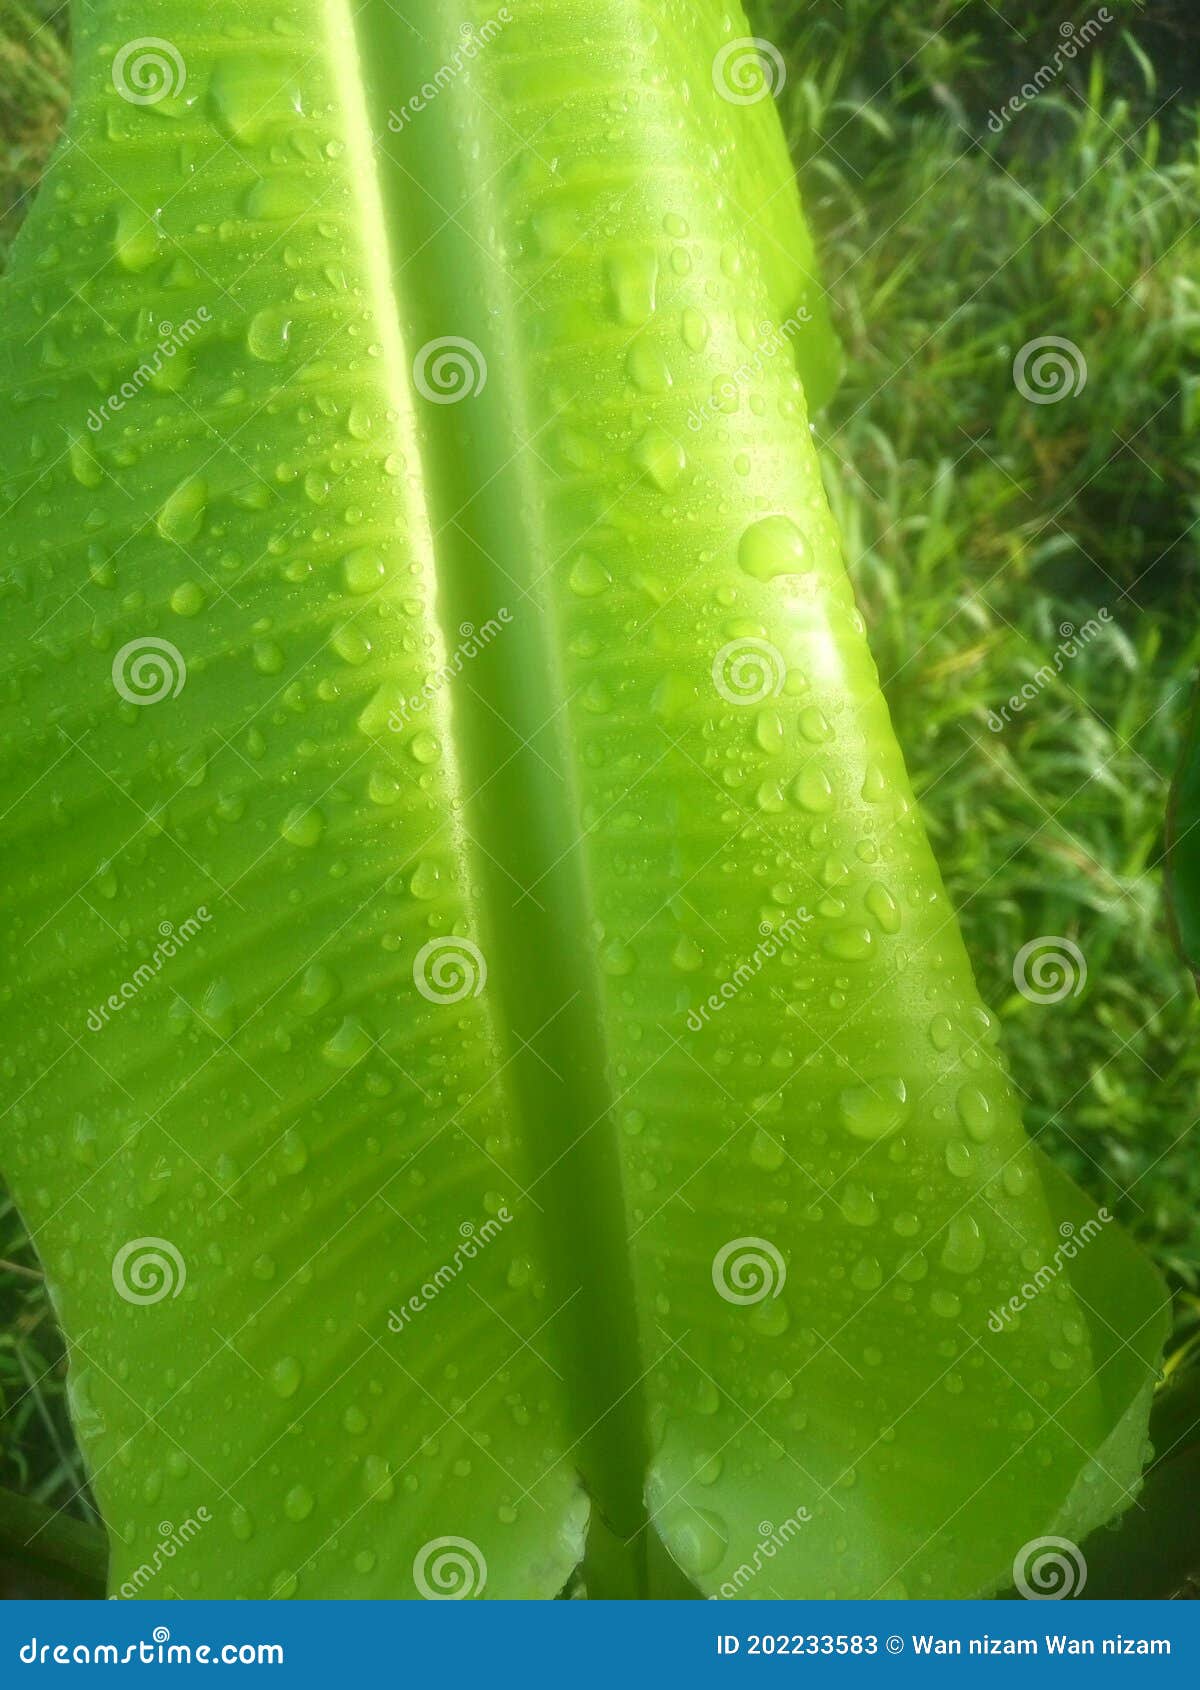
873,1111
774,546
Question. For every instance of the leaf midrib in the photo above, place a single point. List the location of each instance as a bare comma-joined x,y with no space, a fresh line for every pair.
522,818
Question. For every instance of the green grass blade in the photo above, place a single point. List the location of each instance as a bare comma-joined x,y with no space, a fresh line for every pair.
46,1555
1183,847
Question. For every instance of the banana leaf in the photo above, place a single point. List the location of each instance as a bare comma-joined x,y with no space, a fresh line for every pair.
491,1070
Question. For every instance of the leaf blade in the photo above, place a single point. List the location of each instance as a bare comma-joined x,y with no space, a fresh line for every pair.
672,841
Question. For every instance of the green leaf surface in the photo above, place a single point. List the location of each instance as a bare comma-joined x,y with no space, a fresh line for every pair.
492,1073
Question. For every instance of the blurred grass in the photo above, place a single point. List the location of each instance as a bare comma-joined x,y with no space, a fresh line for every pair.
977,525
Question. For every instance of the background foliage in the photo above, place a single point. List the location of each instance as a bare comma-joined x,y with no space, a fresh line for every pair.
977,526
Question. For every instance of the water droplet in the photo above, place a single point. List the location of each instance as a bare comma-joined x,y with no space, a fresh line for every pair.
269,335
883,907
814,726
768,731
687,955
188,599
348,1045
774,546
941,1032
135,242
859,1206
959,1158
274,199
695,1537
695,328
633,280
866,1274
811,789
766,1152
285,1376
975,1112
363,570
317,988
849,944
378,1483
426,880
588,578
663,458
267,656
872,1111
618,959
1015,1179
182,515
965,1245
302,826
424,748
293,1152
298,1503
648,368
217,1008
